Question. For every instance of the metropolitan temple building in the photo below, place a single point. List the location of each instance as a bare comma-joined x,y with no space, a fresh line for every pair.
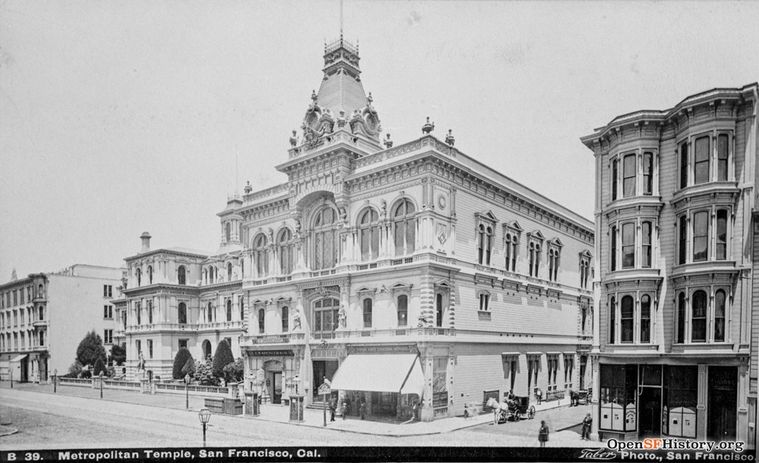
400,272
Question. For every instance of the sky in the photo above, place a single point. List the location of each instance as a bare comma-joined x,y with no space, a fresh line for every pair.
119,117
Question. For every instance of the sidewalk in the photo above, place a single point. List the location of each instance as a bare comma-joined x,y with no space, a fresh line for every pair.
278,413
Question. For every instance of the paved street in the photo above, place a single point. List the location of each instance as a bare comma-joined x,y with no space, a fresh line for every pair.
76,417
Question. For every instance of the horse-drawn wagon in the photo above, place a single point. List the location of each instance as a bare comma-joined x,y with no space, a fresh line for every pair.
514,409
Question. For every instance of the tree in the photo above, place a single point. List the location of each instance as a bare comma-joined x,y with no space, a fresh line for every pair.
203,372
234,371
90,349
189,367
118,354
99,367
180,360
222,358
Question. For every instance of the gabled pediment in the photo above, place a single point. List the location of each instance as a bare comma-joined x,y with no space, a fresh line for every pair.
556,242
486,215
536,234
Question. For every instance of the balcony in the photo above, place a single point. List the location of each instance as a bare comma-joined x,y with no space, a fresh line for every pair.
215,326
39,323
284,338
705,267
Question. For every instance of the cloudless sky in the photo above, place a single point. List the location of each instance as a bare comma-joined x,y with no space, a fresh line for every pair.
118,117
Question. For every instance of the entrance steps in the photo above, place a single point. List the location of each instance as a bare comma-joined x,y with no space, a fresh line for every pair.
318,405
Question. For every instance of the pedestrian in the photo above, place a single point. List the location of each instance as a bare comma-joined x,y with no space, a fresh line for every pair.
586,424
362,408
543,434
345,409
332,408
415,410
538,395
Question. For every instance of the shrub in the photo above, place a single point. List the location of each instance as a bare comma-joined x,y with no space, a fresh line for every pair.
222,358
118,354
189,367
90,349
234,371
204,373
74,370
183,356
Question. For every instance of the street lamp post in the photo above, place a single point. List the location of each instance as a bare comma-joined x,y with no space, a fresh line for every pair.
55,380
204,415
101,384
186,392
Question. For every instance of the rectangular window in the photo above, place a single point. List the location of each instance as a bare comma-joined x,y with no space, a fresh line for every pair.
105,290
628,183
402,308
613,248
367,313
684,165
138,347
627,313
722,156
628,245
648,173
42,338
614,176
701,161
150,348
183,343
484,302
645,258
721,248
645,318
612,321
107,336
682,239
21,296
107,312
700,236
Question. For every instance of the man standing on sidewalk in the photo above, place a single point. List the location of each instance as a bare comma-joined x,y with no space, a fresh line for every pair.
332,408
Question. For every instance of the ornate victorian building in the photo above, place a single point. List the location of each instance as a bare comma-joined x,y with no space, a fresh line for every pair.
675,196
399,272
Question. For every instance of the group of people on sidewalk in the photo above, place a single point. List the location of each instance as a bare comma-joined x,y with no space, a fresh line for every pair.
345,408
587,422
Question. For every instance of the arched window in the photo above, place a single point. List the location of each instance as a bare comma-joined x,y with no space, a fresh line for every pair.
229,310
139,276
209,313
326,315
534,258
368,229
367,313
324,240
645,318
484,244
181,275
182,313
210,275
405,227
227,232
285,247
612,320
553,263
439,310
229,271
261,320
627,313
719,316
150,274
402,310
261,255
698,316
206,349
511,251
285,319
680,318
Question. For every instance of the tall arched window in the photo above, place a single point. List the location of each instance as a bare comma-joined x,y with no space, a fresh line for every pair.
367,313
627,313
511,251
150,312
645,318
229,271
326,315
402,310
484,244
138,272
612,320
228,232
680,338
368,229
229,310
324,239
261,255
285,247
534,258
698,316
210,313
210,275
182,313
439,310
181,275
719,316
261,320
150,274
405,227
285,319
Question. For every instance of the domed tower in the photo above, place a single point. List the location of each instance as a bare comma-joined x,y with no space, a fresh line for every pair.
341,103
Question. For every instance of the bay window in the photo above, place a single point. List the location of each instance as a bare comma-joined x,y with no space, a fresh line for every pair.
648,173
628,245
723,151
698,316
645,318
645,258
627,313
701,161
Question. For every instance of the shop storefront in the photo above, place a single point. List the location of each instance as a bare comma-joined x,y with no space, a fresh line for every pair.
638,401
272,374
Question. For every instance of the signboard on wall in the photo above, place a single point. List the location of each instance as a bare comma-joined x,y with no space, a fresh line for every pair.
270,353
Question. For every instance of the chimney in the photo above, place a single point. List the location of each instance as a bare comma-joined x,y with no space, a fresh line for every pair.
145,237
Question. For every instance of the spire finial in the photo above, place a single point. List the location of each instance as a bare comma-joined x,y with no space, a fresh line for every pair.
341,20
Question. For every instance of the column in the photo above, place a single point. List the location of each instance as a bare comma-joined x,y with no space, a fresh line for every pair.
595,409
701,401
452,306
427,301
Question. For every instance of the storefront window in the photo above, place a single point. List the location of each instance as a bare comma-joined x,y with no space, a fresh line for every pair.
680,399
618,395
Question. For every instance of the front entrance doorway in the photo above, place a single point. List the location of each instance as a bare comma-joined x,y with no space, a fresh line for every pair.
322,368
275,386
649,412
722,403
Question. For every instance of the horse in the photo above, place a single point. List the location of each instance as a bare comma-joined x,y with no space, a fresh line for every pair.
498,408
